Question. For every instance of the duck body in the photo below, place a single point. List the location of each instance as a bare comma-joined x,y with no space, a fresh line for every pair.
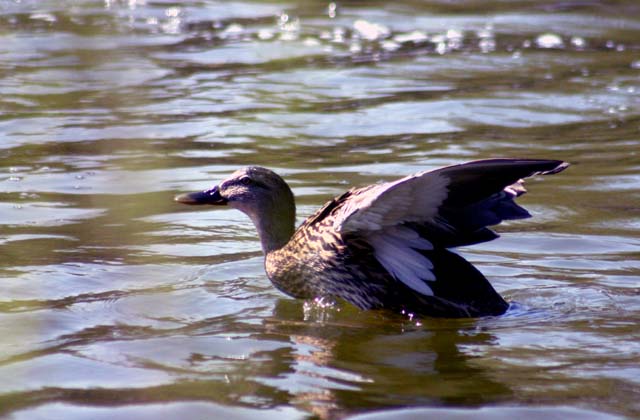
386,246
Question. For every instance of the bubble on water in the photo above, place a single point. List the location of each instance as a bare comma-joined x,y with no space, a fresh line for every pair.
289,27
526,43
549,40
332,9
620,47
635,65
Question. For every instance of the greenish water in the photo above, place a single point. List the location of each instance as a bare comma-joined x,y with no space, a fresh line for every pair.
117,302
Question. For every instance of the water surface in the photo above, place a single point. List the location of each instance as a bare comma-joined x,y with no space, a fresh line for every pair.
117,302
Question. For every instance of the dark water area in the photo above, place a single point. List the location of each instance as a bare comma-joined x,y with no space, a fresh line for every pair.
116,302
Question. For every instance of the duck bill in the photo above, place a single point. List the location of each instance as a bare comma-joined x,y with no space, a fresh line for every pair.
211,196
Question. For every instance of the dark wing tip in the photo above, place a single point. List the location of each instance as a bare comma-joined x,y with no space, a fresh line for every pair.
561,166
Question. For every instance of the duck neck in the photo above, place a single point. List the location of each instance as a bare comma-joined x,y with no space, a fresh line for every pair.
276,228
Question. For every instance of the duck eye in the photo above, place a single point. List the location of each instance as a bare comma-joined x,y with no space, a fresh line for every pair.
245,180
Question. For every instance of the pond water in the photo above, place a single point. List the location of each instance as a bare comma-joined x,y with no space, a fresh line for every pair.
117,302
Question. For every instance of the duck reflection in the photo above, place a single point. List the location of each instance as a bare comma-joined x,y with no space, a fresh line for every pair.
343,360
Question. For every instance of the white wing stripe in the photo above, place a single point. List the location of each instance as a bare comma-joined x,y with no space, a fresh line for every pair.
395,248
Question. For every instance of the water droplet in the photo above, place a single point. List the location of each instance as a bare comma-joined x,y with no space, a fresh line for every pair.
487,45
415,37
265,34
288,36
172,12
338,35
332,9
370,31
549,40
578,42
232,31
454,34
46,17
311,42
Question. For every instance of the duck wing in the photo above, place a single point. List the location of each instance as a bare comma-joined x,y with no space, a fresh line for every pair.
407,220
455,203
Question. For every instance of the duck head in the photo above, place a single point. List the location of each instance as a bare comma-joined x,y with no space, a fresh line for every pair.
259,193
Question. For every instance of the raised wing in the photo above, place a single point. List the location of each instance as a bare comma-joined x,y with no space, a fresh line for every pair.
460,198
443,208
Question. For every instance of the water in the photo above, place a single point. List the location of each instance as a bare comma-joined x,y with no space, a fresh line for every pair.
117,302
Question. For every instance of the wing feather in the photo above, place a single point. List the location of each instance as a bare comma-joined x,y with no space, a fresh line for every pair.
446,207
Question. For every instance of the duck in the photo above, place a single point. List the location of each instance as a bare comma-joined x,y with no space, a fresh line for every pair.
386,246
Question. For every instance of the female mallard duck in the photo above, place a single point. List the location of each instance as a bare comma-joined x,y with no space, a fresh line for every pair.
386,245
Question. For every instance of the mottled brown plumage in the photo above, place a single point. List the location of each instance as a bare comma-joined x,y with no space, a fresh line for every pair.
385,245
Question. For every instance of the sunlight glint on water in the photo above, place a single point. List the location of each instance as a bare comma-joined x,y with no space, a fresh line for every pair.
115,301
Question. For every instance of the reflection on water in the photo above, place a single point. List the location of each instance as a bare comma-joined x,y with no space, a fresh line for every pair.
116,301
